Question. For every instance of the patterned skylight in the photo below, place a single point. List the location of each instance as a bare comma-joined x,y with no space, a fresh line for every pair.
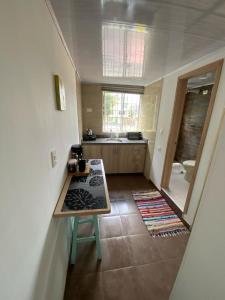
123,48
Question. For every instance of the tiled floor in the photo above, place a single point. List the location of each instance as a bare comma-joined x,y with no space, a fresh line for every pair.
134,265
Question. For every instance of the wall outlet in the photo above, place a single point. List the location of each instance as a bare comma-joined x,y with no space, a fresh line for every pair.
53,158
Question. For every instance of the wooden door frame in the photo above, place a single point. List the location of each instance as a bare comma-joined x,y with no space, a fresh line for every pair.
176,123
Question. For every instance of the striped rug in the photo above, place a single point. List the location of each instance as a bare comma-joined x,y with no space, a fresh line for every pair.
157,215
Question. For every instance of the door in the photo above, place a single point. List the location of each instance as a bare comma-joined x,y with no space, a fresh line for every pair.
179,104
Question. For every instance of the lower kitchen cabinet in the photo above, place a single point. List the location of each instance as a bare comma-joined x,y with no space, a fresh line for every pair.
131,158
117,158
110,158
92,151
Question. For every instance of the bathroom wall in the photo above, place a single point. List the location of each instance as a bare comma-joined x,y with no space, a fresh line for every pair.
149,110
164,122
34,246
195,110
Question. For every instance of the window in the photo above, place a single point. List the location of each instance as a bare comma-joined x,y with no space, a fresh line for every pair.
123,49
120,112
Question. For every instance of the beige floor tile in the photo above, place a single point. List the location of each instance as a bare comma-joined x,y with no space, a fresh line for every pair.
85,287
133,224
127,207
143,249
171,247
110,227
115,253
86,261
120,284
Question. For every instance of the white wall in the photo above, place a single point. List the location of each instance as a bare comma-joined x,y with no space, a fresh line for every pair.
202,272
164,121
34,247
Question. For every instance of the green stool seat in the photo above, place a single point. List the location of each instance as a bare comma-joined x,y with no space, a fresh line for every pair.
75,239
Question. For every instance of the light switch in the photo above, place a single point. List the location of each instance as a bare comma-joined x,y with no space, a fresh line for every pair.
89,110
53,158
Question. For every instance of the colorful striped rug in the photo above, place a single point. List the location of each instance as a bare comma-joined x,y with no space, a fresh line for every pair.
157,215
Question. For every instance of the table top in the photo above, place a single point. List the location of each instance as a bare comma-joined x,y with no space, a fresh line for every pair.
84,195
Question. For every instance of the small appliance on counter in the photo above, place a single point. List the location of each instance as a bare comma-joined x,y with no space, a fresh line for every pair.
89,136
78,167
134,136
72,165
76,150
76,164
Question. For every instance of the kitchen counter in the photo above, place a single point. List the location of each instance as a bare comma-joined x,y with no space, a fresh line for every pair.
115,141
84,195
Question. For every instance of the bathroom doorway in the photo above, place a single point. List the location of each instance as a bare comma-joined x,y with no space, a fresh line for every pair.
195,96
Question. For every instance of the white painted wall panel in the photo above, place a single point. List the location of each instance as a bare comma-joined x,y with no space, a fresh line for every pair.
165,115
202,273
34,248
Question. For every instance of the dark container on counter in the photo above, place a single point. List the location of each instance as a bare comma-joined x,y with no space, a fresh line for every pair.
82,165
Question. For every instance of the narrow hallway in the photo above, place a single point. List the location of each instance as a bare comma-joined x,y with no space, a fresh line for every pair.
134,265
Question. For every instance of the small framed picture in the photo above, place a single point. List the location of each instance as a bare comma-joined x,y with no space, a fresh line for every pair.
60,93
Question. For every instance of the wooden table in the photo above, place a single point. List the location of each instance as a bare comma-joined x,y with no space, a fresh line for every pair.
84,196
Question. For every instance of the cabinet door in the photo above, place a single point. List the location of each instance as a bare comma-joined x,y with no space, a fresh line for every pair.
110,158
139,153
92,151
124,159
131,158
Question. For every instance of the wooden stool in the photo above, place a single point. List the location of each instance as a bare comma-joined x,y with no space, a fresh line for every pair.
75,239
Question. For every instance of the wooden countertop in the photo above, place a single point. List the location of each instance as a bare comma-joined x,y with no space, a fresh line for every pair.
60,210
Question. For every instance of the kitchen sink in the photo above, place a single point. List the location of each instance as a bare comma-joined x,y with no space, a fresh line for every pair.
114,140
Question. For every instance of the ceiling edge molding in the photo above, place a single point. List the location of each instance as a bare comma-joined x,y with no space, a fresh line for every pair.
56,23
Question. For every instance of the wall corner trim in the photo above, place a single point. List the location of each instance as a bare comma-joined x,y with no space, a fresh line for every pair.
56,23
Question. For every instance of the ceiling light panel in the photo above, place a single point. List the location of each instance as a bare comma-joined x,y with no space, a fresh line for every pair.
123,50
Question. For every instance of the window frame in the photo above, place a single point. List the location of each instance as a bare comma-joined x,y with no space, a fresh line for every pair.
103,111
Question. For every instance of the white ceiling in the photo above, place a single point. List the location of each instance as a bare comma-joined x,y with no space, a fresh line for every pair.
138,41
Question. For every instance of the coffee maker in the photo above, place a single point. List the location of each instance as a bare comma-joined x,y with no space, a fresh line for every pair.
76,151
77,163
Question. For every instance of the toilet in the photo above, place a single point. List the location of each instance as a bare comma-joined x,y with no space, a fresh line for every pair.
177,168
189,166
